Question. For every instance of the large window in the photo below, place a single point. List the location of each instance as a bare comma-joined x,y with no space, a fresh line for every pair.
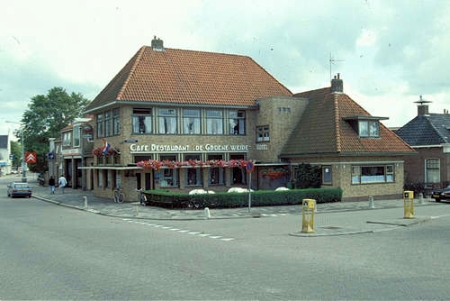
239,175
116,122
432,171
191,121
214,122
372,174
369,128
169,176
142,121
100,132
194,175
167,121
262,133
216,174
108,123
67,139
76,136
236,122
107,118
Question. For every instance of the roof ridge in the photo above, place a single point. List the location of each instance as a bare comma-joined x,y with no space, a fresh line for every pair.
130,74
436,130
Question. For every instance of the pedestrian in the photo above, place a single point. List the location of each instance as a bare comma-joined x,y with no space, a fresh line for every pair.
51,183
62,183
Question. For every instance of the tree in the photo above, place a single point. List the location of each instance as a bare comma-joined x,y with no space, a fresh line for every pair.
46,117
16,151
308,176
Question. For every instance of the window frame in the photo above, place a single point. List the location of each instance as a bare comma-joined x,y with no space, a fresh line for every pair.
262,133
370,174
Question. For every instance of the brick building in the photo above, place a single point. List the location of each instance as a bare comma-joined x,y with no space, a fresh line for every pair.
428,134
192,117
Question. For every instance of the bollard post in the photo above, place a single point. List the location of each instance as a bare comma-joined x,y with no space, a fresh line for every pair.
421,200
85,202
408,197
371,205
207,213
308,206
136,210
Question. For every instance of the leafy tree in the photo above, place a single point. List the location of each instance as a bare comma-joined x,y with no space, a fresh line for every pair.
16,151
308,176
46,116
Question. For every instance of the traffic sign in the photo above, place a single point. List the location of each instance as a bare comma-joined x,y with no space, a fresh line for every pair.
30,157
51,156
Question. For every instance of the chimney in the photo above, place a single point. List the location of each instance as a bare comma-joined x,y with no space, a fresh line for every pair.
157,44
422,107
337,85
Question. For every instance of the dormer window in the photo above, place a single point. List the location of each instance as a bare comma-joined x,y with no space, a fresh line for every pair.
370,129
365,126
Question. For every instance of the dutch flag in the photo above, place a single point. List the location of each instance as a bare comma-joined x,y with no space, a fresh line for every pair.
106,147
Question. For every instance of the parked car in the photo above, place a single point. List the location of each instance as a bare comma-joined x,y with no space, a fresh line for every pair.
443,194
17,189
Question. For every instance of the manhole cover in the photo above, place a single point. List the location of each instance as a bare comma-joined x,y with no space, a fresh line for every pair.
331,227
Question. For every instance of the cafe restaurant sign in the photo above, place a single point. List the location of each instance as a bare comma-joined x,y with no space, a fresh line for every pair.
167,148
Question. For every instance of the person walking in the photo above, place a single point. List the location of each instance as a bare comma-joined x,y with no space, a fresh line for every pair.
62,183
51,183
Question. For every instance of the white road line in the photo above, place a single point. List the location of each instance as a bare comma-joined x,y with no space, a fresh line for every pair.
201,234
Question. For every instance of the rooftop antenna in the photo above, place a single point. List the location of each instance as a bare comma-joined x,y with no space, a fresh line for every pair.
421,101
332,61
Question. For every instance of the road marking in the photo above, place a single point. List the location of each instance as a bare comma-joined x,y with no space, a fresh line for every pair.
196,233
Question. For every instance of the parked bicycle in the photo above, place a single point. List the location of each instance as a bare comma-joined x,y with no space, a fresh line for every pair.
119,195
142,197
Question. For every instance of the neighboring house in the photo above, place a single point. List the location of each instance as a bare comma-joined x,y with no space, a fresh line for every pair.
5,151
428,134
356,151
192,116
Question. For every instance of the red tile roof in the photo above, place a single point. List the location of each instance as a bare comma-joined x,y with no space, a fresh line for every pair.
176,76
322,130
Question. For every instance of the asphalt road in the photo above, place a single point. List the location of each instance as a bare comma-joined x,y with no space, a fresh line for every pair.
53,252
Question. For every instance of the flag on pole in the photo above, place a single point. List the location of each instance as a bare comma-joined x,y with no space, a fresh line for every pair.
106,147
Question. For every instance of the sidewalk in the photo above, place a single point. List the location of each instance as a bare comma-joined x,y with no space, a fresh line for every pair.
85,200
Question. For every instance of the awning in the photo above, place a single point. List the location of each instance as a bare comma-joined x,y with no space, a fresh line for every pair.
112,167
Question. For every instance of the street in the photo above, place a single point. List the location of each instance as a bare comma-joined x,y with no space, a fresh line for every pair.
54,252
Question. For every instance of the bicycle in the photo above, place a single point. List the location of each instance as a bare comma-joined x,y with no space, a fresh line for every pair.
119,195
142,197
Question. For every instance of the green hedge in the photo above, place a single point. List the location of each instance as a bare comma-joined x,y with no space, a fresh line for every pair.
170,199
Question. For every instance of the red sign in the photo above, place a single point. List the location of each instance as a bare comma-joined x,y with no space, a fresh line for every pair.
30,157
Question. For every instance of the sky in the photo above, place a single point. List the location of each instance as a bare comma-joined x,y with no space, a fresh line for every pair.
388,52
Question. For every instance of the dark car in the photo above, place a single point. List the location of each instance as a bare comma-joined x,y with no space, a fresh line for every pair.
17,189
443,194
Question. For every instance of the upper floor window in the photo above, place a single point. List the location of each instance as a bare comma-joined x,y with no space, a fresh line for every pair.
67,139
236,122
100,132
116,122
142,121
167,121
214,122
191,121
262,133
76,136
107,117
369,128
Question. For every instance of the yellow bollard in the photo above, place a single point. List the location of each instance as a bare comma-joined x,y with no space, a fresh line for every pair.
308,209
408,198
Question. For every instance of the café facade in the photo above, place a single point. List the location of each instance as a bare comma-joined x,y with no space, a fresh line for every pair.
183,120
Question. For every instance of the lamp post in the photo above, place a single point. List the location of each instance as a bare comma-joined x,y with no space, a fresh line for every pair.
24,164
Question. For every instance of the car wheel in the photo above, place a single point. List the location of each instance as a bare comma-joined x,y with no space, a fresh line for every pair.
437,200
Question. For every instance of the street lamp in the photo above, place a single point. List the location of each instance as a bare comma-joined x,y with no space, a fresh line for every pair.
24,164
